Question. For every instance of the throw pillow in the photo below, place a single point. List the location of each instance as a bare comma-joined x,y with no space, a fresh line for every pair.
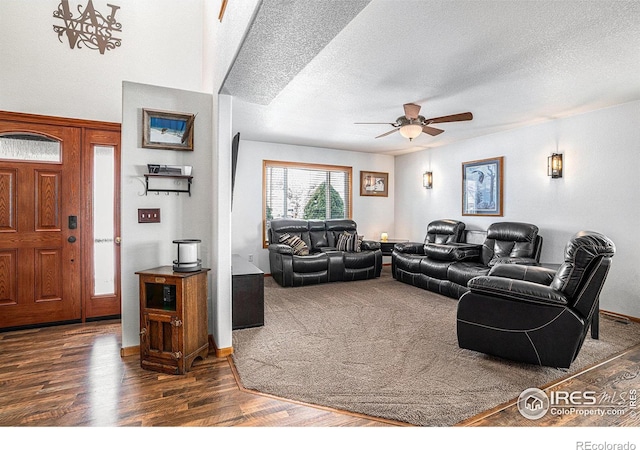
349,242
297,244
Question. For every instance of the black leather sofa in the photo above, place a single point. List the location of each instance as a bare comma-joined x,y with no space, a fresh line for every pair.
448,258
537,315
324,263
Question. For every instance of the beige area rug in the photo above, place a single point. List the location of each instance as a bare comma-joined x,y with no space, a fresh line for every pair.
387,349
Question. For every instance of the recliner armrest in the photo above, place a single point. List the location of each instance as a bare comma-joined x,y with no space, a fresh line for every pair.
517,290
370,245
281,248
413,248
452,251
535,274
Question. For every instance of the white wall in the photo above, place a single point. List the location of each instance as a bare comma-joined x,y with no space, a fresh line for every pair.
597,192
161,45
149,245
372,214
222,41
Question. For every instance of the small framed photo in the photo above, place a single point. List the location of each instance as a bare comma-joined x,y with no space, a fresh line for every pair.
167,130
482,187
375,184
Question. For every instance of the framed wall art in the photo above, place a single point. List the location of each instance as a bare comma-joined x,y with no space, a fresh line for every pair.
167,130
482,187
375,184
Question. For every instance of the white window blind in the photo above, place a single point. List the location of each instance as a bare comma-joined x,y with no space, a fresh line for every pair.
305,191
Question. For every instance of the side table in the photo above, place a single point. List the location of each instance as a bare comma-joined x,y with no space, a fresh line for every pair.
387,246
173,319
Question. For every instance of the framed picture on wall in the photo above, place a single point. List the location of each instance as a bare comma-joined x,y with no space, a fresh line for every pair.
167,130
374,184
482,187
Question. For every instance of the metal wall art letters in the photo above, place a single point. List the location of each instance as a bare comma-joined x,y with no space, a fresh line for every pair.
90,29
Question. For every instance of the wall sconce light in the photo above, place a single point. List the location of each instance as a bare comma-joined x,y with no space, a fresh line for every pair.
554,165
427,180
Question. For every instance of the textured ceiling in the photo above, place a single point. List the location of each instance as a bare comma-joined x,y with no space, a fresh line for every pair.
309,69
284,37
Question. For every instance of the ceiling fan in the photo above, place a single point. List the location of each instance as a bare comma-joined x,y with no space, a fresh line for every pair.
412,124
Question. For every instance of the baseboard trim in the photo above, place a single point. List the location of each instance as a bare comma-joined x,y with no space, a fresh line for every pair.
129,351
618,316
219,352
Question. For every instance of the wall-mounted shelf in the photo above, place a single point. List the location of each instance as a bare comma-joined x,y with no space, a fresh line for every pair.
148,176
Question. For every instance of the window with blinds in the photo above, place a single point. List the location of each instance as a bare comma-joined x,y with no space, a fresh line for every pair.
305,191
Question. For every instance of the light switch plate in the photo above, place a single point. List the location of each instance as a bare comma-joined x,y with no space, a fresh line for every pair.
149,215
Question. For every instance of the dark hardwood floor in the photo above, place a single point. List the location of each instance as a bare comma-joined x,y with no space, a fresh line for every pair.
73,375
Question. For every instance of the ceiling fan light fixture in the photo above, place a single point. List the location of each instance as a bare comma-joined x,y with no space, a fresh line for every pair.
411,131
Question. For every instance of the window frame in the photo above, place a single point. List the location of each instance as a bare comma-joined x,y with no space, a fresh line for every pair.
300,165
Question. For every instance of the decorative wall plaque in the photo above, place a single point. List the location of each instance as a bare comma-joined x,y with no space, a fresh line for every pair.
90,29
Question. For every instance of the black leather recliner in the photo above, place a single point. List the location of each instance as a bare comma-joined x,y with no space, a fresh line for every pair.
534,314
446,267
325,263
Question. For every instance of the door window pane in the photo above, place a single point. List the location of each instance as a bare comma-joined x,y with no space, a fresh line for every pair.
103,219
29,147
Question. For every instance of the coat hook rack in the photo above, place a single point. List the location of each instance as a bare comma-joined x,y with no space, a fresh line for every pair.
177,179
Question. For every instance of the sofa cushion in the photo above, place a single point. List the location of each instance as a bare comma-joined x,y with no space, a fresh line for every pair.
364,260
509,240
297,244
407,262
444,231
434,269
348,242
461,272
317,263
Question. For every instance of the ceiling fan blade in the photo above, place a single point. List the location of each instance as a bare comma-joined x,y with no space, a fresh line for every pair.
388,133
375,123
431,131
411,110
452,118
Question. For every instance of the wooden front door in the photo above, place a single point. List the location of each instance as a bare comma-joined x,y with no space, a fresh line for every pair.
40,223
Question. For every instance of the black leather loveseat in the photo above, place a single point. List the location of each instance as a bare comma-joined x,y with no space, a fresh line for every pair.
303,252
449,257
